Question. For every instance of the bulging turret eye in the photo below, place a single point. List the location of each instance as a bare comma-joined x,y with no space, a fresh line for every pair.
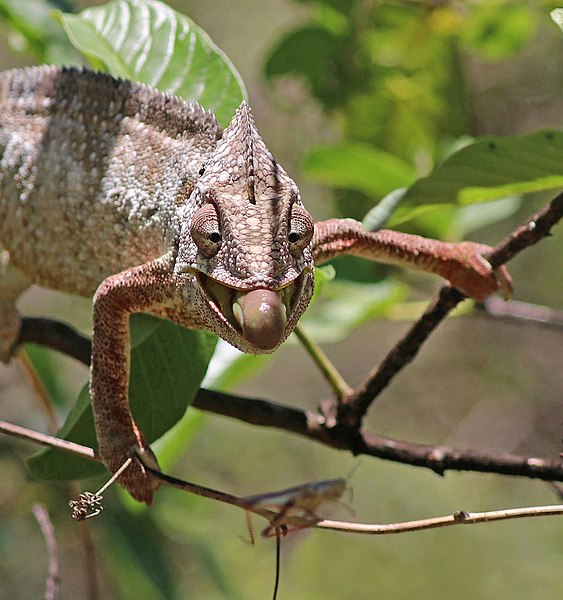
206,230
300,228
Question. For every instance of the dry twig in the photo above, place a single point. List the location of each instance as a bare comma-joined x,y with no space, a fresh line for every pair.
53,582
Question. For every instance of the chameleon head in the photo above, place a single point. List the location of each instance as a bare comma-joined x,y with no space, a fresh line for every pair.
248,242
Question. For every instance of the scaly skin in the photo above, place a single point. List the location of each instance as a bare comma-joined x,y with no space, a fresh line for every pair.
114,190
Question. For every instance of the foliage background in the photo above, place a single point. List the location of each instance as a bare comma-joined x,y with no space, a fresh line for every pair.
426,81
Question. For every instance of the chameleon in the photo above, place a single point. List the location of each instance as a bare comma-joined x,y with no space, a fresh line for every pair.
113,190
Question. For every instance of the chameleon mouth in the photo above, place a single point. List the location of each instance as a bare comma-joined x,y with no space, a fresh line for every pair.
260,315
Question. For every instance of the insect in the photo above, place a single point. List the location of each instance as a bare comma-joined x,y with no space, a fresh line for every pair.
296,506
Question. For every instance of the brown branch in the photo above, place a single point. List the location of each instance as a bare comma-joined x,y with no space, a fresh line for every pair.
351,410
278,507
57,336
313,426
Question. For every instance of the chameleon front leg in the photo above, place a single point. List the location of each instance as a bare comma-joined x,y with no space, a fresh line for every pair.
462,264
140,289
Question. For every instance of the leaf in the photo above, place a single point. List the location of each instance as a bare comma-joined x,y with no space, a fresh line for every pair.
359,167
32,20
135,555
147,41
382,211
497,32
166,370
312,52
557,16
492,168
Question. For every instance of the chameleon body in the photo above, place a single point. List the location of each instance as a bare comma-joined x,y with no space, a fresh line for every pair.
114,190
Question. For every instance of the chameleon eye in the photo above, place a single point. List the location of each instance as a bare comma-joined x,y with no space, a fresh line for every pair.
300,228
206,231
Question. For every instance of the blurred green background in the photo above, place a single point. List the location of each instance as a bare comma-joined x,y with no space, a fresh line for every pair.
411,79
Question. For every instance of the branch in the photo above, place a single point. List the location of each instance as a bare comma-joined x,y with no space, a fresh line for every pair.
512,310
47,440
461,517
57,336
279,507
314,426
52,583
352,409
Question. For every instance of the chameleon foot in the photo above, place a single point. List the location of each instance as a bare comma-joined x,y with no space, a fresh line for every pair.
135,479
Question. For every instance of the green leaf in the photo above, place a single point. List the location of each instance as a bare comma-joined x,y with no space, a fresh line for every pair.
136,556
147,41
166,370
36,30
382,211
492,168
497,32
359,167
312,52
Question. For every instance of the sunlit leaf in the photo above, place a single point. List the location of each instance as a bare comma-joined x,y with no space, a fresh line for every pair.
147,41
492,168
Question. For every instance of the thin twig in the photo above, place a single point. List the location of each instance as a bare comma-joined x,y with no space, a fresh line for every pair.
333,376
27,368
459,518
523,311
352,409
48,440
52,583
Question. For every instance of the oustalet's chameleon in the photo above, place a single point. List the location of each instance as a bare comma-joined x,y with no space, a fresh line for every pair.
115,190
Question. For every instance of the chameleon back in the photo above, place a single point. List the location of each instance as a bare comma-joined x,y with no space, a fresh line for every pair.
92,173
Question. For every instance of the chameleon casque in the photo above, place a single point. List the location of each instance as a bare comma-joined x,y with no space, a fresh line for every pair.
113,190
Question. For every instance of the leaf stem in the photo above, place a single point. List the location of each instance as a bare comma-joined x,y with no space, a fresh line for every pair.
329,371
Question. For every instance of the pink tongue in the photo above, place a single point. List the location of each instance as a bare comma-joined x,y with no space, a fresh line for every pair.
263,319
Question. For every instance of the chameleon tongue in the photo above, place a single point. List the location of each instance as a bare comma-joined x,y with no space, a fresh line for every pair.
262,316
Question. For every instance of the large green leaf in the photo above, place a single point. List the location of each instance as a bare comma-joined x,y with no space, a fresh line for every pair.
313,53
492,168
147,41
166,370
359,167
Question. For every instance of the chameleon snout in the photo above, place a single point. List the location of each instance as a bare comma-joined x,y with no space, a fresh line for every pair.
262,316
